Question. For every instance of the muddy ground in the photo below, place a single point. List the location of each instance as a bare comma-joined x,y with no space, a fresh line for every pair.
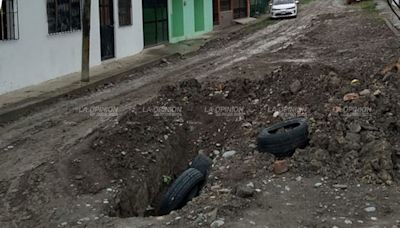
104,158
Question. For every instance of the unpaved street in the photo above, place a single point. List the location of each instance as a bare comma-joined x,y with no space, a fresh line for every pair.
67,165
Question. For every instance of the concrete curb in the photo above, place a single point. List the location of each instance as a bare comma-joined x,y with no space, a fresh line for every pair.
391,27
24,107
386,13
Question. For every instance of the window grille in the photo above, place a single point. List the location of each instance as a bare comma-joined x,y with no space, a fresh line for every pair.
9,20
63,15
125,12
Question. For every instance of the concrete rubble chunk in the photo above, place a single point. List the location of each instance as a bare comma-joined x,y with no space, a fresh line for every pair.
365,92
244,191
355,127
217,223
351,96
229,154
340,186
295,86
317,185
280,167
377,92
370,209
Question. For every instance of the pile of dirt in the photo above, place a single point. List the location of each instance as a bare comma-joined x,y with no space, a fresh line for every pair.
350,140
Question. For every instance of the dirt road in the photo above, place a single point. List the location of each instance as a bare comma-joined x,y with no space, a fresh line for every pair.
76,164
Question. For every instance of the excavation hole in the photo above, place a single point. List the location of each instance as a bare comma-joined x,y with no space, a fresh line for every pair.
136,159
141,195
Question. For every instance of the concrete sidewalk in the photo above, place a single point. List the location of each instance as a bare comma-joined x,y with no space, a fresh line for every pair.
390,18
98,74
19,102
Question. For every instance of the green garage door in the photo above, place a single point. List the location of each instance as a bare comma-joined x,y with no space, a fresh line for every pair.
258,7
155,22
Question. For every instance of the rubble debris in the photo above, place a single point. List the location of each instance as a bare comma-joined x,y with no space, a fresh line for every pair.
351,96
280,166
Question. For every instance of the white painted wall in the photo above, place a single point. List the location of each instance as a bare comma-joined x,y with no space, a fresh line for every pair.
38,56
129,39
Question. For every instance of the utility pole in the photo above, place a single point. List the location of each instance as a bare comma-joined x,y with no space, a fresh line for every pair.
85,41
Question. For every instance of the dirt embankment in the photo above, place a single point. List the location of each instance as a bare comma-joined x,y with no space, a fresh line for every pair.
350,140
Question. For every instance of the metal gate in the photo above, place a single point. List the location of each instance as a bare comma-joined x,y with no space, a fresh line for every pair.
216,12
155,21
240,9
258,7
107,29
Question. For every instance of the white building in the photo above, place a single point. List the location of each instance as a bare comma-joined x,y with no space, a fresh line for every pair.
42,40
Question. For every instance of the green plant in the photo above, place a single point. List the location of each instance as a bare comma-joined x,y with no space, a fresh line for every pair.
166,179
367,5
303,2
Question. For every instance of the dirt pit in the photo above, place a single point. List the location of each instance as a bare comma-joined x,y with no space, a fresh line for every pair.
150,146
139,156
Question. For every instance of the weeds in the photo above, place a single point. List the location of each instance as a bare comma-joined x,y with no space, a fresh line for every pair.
166,179
303,2
367,5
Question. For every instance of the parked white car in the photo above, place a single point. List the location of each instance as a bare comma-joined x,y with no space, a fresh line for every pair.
283,8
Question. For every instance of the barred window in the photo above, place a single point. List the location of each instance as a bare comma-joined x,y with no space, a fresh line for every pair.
225,5
125,12
9,20
63,15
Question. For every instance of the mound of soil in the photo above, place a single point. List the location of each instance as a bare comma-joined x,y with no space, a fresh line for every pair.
354,139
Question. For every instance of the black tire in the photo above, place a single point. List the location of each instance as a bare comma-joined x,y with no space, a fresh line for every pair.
194,193
284,143
202,163
177,194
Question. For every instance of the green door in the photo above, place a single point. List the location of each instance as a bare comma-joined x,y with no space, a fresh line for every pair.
177,18
258,7
155,22
198,15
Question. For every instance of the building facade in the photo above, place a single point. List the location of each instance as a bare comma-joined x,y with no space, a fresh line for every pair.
189,18
155,22
225,11
41,40
175,20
